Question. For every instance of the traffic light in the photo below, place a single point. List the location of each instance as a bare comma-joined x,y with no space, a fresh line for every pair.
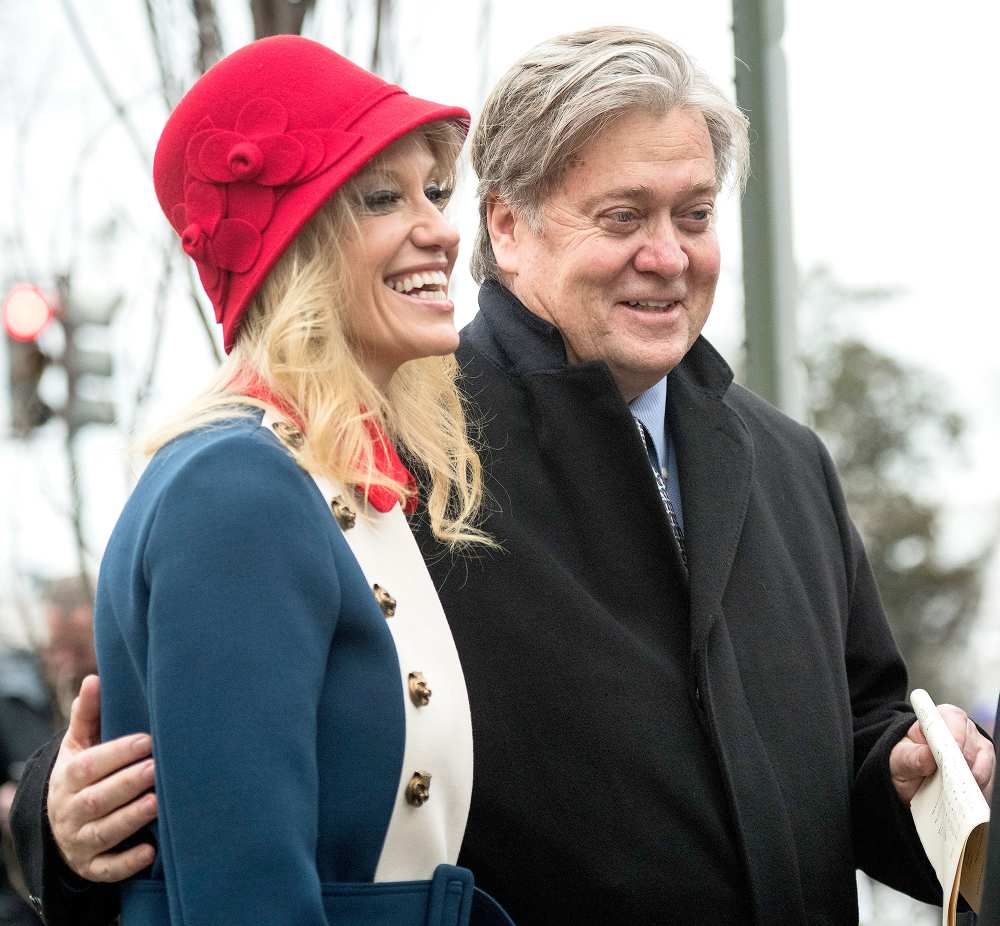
85,366
26,314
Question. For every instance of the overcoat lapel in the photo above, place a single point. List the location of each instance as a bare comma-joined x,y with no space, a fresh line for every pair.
715,457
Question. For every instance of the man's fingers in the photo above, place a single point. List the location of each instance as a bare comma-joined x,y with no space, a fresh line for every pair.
85,715
108,794
909,764
909,761
916,734
982,768
97,762
100,836
974,743
958,723
116,866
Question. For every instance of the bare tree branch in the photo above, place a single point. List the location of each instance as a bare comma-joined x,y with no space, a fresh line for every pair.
348,26
90,56
64,283
209,35
156,333
483,46
205,324
121,112
384,58
25,124
168,83
90,146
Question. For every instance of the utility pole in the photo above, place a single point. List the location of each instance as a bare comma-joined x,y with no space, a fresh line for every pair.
770,280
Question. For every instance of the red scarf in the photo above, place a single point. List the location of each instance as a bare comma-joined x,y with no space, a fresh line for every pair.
384,455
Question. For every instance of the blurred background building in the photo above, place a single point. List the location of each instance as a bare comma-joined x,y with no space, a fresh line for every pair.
855,288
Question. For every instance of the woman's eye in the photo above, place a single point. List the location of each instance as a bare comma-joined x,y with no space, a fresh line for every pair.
379,200
438,195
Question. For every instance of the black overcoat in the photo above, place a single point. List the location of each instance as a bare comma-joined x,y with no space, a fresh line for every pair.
627,728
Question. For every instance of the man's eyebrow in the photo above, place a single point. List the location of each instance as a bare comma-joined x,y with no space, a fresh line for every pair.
643,192
622,192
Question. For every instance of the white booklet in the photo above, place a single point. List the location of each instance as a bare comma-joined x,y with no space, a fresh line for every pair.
950,813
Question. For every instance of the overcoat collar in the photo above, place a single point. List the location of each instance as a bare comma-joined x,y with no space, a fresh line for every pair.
716,460
715,454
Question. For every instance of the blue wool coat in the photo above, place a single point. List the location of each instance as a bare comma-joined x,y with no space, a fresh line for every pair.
235,624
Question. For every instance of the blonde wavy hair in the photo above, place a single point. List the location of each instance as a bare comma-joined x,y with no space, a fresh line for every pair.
296,340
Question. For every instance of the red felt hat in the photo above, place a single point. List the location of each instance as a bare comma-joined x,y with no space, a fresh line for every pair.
259,143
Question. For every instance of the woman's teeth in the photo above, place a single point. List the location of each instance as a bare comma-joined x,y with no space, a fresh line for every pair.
431,285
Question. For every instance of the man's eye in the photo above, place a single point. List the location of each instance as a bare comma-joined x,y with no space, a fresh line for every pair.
701,215
624,216
380,200
438,195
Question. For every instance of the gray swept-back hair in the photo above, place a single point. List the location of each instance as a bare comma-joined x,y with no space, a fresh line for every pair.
564,92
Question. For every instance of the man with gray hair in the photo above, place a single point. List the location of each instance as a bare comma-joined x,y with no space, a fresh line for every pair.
687,705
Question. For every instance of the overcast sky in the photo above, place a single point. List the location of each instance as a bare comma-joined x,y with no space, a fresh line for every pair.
893,145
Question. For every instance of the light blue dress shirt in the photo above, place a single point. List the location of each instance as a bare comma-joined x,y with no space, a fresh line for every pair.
651,409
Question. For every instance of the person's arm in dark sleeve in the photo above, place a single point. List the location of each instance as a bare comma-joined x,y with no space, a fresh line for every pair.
886,844
54,891
243,604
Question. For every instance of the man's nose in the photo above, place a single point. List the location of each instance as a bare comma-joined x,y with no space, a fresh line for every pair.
433,230
661,253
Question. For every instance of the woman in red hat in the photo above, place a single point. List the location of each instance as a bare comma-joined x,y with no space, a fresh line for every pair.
263,610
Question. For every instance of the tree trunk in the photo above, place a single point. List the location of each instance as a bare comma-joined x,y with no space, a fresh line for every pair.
209,35
279,17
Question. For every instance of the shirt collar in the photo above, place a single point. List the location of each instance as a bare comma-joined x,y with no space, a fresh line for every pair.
651,409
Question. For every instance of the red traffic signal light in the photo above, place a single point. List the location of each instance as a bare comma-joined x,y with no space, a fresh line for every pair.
26,312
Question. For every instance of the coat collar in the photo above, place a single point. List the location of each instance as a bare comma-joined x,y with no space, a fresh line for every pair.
715,453
523,342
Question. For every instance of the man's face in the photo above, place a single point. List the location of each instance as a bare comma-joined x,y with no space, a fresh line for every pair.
627,259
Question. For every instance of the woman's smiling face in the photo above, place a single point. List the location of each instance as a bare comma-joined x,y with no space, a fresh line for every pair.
403,257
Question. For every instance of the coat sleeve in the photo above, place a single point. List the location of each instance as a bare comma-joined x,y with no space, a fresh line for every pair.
243,602
55,892
886,845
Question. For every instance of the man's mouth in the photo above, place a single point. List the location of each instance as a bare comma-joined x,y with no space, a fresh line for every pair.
430,285
652,305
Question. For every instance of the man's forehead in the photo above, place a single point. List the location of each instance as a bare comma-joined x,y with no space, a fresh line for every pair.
643,155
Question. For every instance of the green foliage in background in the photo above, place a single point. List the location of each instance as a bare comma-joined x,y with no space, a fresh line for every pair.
890,427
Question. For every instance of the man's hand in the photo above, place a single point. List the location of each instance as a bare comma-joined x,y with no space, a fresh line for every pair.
92,795
911,760
7,790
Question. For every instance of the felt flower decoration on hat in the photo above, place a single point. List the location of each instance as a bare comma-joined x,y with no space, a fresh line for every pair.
229,192
215,242
257,148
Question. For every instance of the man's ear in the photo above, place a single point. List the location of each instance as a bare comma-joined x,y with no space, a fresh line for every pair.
507,232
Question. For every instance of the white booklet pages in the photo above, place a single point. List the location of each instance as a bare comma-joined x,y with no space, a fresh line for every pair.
950,813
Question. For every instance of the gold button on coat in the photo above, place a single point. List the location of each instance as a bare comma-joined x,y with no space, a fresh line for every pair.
420,694
385,601
418,791
344,515
290,434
